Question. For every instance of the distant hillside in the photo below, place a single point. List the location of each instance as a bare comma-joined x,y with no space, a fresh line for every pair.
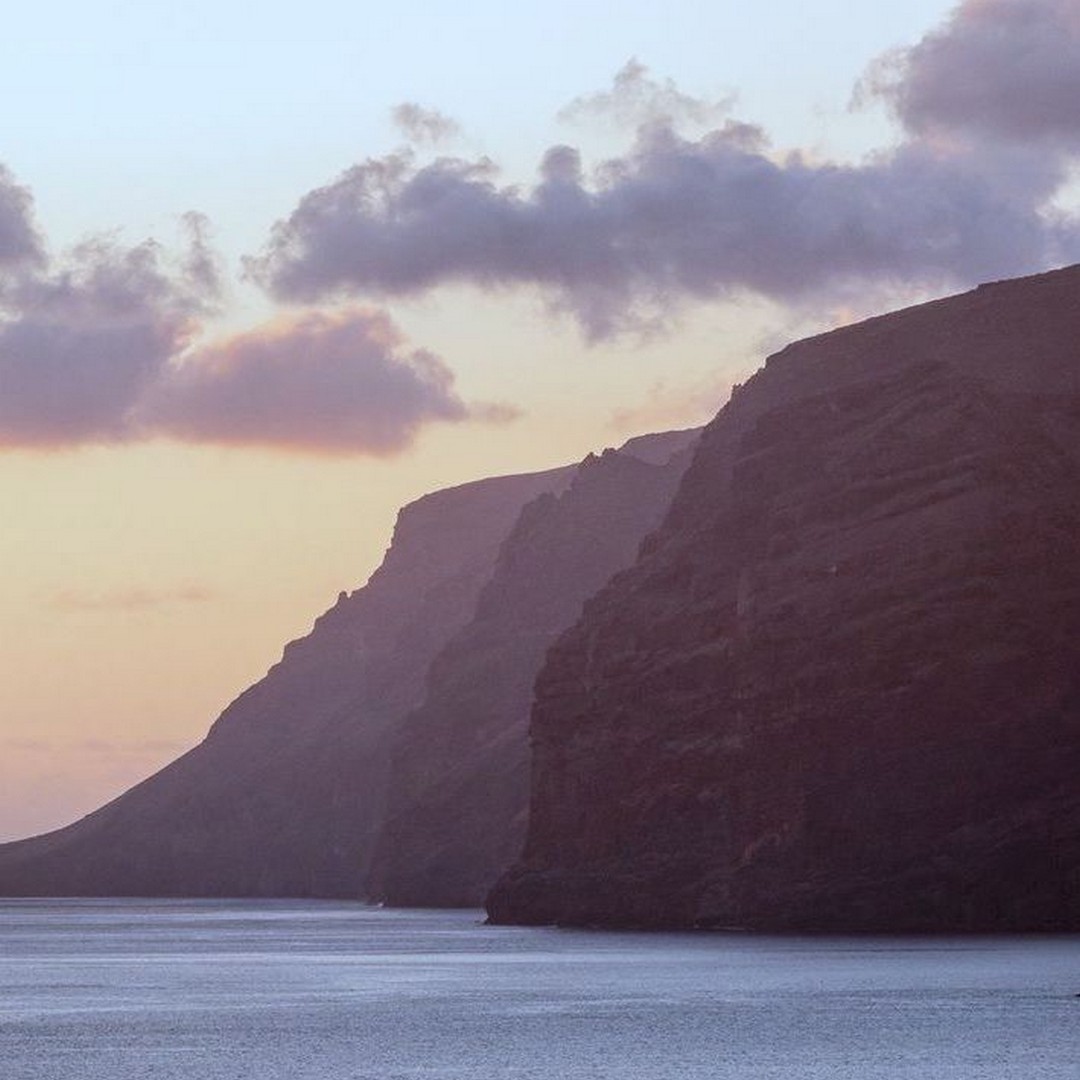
283,796
459,780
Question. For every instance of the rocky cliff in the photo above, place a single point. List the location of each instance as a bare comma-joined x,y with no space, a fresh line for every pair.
458,788
283,796
840,688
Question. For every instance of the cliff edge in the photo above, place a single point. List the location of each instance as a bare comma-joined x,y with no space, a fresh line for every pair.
840,688
458,786
284,795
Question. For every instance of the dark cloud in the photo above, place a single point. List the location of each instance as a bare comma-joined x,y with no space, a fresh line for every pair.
83,341
1003,69
342,383
424,127
132,599
637,98
673,218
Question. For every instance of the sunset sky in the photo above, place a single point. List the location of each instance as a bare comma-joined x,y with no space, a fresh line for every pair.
268,271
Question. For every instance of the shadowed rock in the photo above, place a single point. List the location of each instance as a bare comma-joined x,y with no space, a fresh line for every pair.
458,788
840,688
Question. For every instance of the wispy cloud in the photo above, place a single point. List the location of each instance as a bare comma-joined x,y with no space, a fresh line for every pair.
424,127
129,748
637,97
134,598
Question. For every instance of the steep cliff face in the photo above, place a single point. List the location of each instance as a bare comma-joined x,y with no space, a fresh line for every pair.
840,689
282,797
458,789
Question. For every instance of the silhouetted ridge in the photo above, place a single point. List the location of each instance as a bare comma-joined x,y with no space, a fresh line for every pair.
283,796
458,788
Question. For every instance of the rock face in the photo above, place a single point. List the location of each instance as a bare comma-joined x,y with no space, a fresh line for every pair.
283,796
458,789
840,689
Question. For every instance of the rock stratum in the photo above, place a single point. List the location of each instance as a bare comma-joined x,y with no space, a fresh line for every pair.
840,688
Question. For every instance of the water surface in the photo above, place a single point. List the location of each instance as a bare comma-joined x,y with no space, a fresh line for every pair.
210,990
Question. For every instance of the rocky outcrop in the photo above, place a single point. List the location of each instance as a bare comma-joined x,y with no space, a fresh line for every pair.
840,689
283,796
458,789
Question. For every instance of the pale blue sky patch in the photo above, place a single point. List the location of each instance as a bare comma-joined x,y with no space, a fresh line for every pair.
126,114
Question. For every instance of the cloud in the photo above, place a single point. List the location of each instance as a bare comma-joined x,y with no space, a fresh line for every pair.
83,340
20,244
131,599
201,264
424,127
127,747
988,103
998,69
636,98
136,748
672,219
103,346
332,383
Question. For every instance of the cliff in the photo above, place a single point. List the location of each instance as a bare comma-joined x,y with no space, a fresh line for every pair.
283,796
840,688
458,788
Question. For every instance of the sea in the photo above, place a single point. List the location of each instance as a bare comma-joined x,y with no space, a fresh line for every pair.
243,990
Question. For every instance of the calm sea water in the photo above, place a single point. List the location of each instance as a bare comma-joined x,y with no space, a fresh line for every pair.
197,990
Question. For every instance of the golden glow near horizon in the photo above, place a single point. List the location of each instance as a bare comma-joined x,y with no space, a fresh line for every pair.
149,584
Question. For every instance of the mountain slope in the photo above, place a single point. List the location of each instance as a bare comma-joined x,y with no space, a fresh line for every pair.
840,689
458,788
283,795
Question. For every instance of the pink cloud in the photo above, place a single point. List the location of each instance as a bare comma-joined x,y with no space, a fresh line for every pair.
130,599
346,382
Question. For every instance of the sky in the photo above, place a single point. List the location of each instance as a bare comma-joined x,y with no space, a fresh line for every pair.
269,271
